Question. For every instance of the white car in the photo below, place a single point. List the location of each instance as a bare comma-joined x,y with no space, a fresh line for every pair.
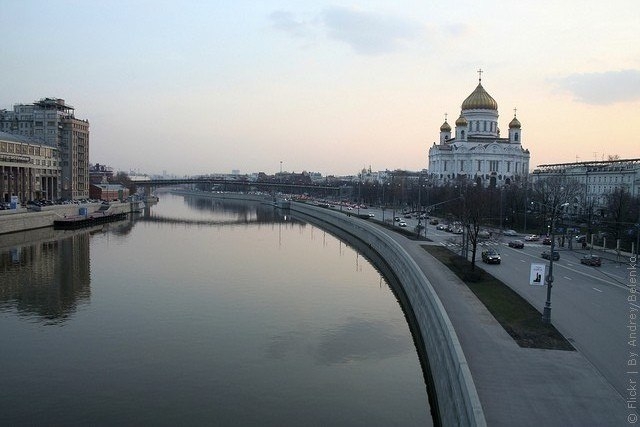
532,238
509,233
402,224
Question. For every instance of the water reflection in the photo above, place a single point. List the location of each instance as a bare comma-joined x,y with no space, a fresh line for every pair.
214,212
47,280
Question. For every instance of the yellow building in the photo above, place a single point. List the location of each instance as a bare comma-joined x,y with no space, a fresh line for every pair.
28,169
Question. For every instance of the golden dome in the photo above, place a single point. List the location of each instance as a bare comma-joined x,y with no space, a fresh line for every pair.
445,127
462,121
479,100
515,123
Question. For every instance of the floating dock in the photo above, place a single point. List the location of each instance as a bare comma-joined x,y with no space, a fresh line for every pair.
79,221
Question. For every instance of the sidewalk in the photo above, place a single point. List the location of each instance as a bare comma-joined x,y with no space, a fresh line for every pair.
519,386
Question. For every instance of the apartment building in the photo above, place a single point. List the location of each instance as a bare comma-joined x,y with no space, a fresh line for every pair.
52,122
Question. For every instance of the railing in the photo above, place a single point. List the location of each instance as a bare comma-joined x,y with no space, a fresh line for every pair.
457,398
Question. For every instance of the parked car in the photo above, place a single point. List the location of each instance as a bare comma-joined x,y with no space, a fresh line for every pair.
517,244
532,238
490,256
592,260
484,234
402,223
547,255
433,222
546,241
441,227
509,233
371,215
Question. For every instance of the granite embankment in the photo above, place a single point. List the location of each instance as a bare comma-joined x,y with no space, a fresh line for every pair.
12,221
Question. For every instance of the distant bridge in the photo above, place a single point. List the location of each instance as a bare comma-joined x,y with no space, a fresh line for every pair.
155,183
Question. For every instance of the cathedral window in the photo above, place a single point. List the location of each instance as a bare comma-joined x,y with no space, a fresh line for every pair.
484,126
493,165
444,165
508,166
462,134
479,165
515,137
461,165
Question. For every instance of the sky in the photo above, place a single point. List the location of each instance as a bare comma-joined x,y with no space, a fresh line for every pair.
197,87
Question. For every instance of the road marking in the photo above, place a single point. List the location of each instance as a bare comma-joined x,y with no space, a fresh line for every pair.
522,260
568,278
596,289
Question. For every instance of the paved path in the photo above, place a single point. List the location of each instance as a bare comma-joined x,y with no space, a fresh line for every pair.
520,386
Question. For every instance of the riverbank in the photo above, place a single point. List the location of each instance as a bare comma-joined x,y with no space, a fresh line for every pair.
13,221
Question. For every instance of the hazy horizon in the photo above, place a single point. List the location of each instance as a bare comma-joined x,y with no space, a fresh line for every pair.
196,87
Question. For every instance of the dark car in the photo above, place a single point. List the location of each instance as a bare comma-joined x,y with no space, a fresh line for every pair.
490,256
546,241
518,244
592,260
547,255
433,222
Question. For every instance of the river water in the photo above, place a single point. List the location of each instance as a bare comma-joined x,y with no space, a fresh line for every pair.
204,313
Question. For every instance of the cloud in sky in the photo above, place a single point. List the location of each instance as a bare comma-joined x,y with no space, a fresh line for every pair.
285,21
367,33
605,88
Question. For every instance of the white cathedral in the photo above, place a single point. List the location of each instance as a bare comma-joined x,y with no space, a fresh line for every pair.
476,152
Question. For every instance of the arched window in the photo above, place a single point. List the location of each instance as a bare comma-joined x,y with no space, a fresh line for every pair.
462,134
515,136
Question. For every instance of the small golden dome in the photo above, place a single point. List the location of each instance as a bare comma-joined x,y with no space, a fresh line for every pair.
515,123
445,127
479,100
462,121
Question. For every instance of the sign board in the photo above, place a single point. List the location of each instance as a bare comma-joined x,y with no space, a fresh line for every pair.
536,277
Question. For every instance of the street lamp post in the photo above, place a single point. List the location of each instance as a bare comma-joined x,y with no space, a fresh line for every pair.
546,314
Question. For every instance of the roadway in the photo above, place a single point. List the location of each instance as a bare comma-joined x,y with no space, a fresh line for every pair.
588,304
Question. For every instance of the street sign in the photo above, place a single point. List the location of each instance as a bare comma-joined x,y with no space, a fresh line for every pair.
536,276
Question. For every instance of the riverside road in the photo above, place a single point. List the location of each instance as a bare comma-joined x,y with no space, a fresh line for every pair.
589,306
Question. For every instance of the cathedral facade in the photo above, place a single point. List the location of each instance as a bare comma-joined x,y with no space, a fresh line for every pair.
475,151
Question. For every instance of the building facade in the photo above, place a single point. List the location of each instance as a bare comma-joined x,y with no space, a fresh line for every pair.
52,122
28,169
598,178
475,150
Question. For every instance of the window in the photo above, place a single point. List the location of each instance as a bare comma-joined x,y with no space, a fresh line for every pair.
484,127
445,165
508,166
461,165
493,165
515,137
479,165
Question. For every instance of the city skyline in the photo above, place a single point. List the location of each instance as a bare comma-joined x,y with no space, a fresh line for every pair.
192,88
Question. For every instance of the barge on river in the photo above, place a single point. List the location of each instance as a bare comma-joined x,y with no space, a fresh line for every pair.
79,221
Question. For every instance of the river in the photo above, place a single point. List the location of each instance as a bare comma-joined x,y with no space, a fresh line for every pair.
206,313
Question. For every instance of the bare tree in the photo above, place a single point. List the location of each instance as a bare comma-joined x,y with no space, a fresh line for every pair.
552,192
474,211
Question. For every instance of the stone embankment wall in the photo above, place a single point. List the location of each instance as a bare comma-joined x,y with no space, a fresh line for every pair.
11,221
456,395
